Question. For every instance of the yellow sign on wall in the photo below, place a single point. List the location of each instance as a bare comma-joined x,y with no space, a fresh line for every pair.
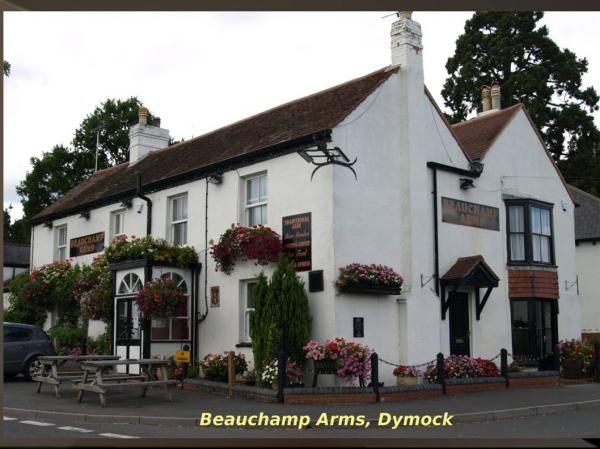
182,356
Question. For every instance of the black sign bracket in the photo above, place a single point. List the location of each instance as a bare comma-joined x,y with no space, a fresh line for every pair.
323,156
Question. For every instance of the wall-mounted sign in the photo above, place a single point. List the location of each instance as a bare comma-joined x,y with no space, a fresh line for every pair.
470,214
215,297
88,244
297,240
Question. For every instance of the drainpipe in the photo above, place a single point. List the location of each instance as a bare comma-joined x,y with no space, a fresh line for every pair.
435,233
148,203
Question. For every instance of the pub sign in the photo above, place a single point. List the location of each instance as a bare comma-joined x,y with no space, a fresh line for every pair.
87,244
297,240
470,214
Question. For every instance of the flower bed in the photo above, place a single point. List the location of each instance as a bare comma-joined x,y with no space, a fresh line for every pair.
258,243
577,358
293,371
214,366
377,279
462,367
151,249
160,298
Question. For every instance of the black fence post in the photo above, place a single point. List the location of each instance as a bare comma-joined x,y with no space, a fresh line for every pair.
597,361
281,374
441,373
375,375
504,365
556,358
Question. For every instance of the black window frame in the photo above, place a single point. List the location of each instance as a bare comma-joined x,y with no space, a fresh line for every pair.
535,354
527,204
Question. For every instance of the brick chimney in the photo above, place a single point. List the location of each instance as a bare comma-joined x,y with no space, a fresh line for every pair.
486,99
144,138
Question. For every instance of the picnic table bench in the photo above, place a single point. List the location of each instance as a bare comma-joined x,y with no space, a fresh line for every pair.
49,373
102,381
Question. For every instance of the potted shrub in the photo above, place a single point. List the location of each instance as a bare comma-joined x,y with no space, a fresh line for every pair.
346,359
372,279
160,298
406,375
259,243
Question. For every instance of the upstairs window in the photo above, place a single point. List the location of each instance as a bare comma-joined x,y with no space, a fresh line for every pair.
530,232
256,200
178,213
117,223
61,243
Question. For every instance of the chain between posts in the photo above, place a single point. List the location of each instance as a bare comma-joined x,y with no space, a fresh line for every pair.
430,362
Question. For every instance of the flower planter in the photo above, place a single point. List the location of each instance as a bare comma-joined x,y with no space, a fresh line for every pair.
371,289
407,380
326,366
573,369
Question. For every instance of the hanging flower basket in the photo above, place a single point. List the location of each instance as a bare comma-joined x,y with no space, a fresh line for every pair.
160,298
258,243
369,279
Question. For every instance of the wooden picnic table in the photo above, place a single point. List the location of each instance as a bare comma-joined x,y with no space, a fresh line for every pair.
50,364
102,380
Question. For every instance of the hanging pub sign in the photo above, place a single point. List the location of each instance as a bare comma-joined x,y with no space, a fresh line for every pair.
297,240
88,244
470,214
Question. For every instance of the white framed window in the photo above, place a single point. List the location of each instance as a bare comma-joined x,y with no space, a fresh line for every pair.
246,309
117,223
178,327
178,214
61,243
255,188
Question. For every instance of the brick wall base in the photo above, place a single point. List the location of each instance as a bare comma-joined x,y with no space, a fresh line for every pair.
410,395
329,398
535,382
470,388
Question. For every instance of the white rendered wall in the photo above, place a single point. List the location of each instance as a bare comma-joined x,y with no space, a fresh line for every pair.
588,269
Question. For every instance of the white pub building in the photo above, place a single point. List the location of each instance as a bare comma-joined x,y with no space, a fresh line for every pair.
474,216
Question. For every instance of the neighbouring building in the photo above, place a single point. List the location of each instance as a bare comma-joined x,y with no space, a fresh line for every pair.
16,260
587,241
475,217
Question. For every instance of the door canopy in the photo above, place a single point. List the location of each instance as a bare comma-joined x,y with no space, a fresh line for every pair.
473,272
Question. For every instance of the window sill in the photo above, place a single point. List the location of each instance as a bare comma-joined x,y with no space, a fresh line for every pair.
244,344
530,265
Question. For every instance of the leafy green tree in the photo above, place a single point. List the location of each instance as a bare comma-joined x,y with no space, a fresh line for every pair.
287,319
17,232
20,309
59,170
512,49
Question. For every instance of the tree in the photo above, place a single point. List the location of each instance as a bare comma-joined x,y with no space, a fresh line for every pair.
17,232
281,313
512,49
59,170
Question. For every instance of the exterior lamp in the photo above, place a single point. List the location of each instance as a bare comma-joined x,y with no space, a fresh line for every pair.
466,183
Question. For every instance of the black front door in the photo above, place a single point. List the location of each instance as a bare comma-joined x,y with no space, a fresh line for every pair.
459,324
128,331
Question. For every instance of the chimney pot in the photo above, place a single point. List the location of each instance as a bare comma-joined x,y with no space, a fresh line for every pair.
496,96
405,14
486,99
143,115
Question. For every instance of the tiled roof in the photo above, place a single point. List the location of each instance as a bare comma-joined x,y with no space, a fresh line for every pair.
16,254
478,134
464,266
294,120
587,215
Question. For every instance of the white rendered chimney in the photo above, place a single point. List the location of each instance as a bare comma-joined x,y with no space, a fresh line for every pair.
144,138
407,44
496,106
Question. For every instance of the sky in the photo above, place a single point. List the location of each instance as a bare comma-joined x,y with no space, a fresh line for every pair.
199,71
